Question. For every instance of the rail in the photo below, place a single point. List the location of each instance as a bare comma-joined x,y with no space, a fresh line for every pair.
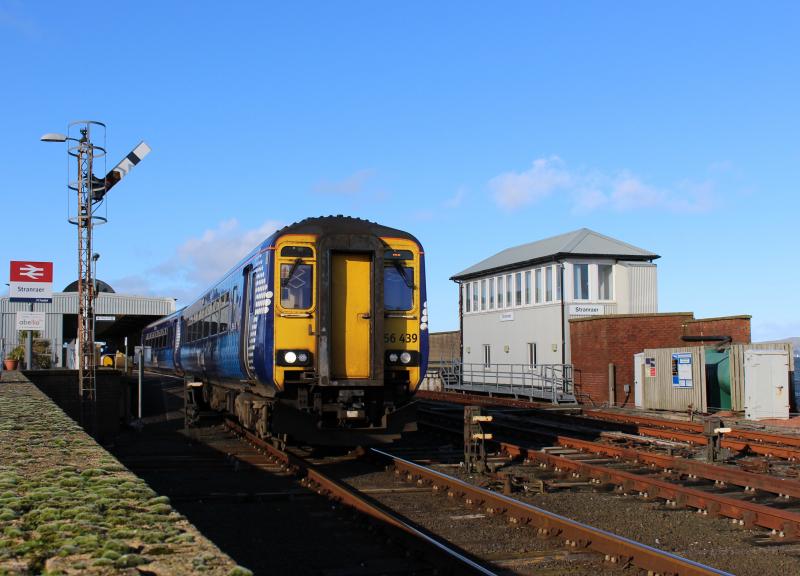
616,549
437,551
744,512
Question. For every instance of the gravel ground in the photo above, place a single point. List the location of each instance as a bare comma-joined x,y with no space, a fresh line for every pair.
511,549
68,507
715,542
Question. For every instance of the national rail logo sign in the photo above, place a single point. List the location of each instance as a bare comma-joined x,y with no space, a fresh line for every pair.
31,282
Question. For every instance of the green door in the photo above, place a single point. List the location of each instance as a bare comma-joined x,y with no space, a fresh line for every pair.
718,379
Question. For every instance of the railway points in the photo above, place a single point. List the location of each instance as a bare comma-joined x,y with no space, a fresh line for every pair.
760,505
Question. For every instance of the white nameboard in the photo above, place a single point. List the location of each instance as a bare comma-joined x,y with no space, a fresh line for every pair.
105,318
586,309
506,317
30,321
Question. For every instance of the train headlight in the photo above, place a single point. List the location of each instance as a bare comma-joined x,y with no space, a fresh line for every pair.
402,358
294,357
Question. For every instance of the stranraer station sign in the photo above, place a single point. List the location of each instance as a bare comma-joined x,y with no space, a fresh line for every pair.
31,282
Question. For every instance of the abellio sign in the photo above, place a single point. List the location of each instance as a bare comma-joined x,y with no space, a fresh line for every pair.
31,282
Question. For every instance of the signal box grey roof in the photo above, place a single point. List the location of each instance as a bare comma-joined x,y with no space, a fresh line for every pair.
577,244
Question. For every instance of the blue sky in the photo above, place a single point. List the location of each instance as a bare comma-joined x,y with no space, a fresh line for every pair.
476,126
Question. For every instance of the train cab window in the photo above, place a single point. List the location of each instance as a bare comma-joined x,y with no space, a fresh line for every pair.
398,288
297,252
297,282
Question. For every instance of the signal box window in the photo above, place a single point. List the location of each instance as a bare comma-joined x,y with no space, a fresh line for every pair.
398,288
580,273
297,281
605,283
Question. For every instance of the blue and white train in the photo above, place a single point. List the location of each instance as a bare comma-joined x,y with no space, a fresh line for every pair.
320,334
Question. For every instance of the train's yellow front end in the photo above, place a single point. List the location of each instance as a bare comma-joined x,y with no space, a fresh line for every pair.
350,332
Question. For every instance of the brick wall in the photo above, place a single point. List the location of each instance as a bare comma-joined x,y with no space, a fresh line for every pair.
737,327
597,341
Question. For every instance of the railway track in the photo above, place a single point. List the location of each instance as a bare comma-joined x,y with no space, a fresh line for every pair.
437,552
747,498
247,498
739,440
610,550
255,508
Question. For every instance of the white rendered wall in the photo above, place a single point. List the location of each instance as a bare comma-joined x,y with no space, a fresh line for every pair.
509,330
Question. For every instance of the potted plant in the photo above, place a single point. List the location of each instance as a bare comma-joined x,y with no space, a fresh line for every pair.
13,358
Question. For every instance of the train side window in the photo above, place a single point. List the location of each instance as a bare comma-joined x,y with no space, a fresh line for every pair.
297,282
398,288
213,320
224,314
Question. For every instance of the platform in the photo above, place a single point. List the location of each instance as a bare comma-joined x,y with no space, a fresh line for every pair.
68,506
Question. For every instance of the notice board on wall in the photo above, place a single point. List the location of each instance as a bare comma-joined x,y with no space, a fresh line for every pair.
682,370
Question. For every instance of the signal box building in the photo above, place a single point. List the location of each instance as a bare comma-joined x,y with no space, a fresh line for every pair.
515,306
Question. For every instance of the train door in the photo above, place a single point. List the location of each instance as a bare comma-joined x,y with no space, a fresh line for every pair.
351,303
246,323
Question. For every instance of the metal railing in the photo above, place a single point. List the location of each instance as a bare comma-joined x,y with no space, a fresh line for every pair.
552,382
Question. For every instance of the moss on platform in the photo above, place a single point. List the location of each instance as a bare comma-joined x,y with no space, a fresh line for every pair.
68,507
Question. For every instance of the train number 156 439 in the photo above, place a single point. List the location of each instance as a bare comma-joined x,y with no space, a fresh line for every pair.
391,338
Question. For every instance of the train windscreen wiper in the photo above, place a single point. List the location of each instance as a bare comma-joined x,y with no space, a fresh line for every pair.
401,269
285,281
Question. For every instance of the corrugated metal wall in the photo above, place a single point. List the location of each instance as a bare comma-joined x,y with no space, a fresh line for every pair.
643,287
660,394
67,303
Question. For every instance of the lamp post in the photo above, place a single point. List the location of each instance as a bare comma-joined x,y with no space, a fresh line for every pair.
91,192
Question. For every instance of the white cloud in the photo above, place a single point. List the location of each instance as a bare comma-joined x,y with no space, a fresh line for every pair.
456,199
205,259
628,192
514,189
352,185
198,262
589,191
